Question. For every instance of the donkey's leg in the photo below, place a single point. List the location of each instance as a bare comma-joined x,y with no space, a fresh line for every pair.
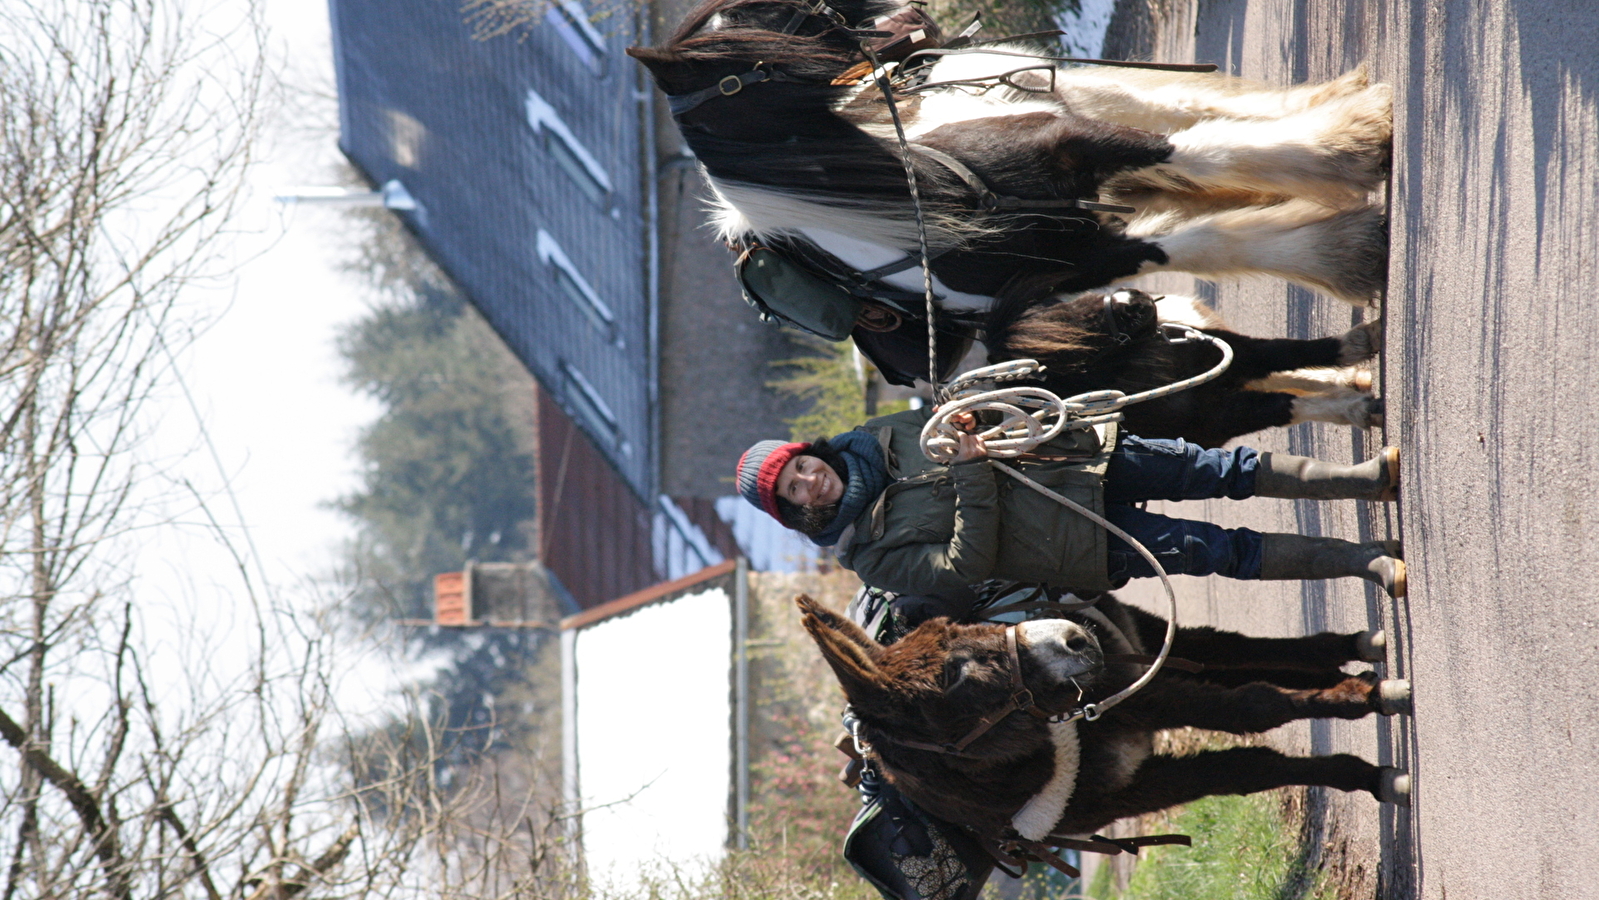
1229,649
1344,253
1255,707
1336,152
1172,101
1166,781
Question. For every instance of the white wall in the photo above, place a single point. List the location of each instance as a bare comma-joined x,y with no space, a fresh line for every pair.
654,723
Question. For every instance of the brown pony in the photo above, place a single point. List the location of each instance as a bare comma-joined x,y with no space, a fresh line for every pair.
921,701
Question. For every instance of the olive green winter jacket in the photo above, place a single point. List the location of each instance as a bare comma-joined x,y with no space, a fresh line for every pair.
939,528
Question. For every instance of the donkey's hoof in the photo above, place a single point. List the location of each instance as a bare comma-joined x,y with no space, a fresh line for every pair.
1360,343
1393,786
1393,697
1371,646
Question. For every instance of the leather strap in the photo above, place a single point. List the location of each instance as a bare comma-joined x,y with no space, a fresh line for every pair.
726,87
1020,851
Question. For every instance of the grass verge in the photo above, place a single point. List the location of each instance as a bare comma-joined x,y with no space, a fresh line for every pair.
1244,849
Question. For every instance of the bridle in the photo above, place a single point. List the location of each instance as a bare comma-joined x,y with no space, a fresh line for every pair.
910,35
729,85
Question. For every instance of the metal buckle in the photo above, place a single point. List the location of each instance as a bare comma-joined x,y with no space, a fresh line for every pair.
738,85
1023,699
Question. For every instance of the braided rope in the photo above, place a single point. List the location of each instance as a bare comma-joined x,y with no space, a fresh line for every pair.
1034,416
880,74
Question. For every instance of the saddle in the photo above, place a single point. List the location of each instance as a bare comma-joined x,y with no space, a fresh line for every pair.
809,290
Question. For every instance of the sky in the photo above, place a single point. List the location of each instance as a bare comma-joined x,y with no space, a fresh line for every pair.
254,416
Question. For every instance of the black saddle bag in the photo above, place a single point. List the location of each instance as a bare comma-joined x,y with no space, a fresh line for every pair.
909,855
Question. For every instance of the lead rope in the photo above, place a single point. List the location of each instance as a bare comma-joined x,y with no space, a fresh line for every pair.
880,75
1021,431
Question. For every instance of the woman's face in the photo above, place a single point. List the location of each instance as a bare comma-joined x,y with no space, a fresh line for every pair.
807,481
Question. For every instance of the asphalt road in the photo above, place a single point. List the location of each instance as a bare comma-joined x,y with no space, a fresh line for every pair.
1488,375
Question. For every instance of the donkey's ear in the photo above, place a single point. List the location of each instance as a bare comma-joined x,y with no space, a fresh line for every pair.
845,626
850,655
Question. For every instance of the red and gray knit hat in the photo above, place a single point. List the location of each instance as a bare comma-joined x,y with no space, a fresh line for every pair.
758,469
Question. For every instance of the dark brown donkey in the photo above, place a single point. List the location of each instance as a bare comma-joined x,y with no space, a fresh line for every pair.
923,700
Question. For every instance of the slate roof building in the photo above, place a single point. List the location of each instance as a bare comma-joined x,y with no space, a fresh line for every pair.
553,191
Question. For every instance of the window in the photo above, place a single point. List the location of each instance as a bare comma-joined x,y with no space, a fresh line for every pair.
576,288
568,153
571,21
591,408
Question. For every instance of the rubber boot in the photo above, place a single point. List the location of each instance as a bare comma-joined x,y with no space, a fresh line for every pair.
1294,556
1303,478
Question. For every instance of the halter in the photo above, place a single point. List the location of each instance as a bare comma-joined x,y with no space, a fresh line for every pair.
732,84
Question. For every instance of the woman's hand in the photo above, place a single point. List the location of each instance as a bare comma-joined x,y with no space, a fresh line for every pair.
971,447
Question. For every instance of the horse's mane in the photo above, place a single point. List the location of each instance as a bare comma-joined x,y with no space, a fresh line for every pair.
1070,339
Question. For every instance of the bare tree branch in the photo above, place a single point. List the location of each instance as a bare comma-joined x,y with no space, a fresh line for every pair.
83,803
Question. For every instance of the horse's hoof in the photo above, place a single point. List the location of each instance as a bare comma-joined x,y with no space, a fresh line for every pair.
1393,697
1360,343
1393,786
1371,646
1362,381
1354,244
1376,414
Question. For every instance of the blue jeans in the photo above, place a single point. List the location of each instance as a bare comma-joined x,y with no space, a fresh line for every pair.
1142,470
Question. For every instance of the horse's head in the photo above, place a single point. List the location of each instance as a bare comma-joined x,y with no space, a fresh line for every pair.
938,683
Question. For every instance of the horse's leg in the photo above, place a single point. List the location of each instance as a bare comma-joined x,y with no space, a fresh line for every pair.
1215,648
1337,151
1166,781
1315,381
1344,253
1339,406
1259,357
1172,101
1223,416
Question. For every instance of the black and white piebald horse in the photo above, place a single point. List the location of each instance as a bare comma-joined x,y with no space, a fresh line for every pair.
1012,156
1101,341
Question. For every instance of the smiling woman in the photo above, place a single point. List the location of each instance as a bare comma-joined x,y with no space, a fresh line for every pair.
907,524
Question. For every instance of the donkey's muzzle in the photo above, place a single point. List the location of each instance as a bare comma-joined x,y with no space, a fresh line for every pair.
1061,647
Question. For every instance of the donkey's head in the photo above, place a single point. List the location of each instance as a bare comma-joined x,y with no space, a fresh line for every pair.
942,680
